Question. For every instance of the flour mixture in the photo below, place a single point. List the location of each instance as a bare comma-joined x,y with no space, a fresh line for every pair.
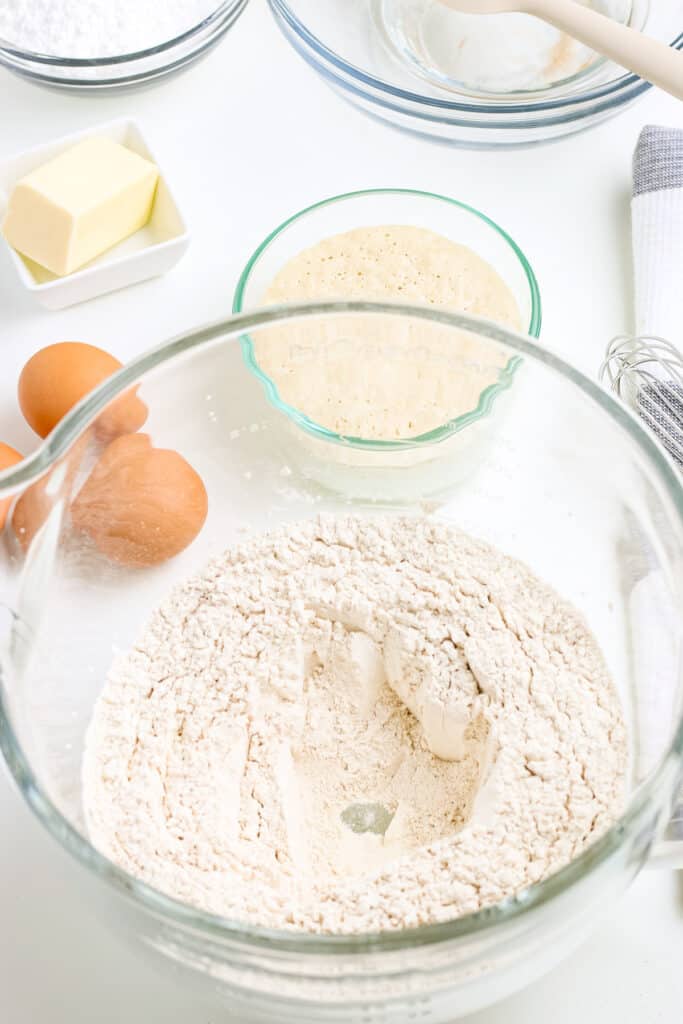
350,725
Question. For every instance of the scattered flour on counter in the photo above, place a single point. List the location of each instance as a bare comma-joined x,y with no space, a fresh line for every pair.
98,28
355,724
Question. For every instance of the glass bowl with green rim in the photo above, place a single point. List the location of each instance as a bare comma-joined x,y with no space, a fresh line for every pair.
325,451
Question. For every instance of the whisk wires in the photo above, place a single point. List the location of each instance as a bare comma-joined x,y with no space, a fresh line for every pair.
647,372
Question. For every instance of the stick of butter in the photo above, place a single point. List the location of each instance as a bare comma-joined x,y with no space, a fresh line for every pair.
78,205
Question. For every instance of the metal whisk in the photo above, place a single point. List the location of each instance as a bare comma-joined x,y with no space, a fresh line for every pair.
647,372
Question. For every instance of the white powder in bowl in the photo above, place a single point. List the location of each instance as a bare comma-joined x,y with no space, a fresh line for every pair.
349,725
97,28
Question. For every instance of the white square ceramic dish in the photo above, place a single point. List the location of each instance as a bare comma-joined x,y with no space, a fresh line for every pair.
151,251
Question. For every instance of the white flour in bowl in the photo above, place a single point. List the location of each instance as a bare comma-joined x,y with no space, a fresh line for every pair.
349,725
97,28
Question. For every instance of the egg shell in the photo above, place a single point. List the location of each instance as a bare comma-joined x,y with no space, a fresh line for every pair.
59,376
8,457
140,505
38,500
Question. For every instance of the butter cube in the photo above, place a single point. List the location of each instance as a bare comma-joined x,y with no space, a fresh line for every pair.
78,205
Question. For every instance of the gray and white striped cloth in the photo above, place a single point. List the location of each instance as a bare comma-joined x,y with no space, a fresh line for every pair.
657,219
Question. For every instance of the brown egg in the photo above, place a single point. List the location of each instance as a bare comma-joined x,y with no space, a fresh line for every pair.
8,457
57,377
140,505
35,504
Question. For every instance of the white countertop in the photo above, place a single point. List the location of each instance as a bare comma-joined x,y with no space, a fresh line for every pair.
250,135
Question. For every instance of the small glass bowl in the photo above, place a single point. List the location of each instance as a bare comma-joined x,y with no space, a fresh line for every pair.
346,45
385,462
125,70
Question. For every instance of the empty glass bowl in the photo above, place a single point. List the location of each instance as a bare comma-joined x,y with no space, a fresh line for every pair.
399,72
479,54
572,484
125,70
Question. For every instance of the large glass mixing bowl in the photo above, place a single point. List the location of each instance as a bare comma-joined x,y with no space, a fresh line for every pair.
392,60
564,479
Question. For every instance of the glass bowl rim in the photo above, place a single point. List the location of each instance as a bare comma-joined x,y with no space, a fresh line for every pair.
488,394
623,84
53,60
67,432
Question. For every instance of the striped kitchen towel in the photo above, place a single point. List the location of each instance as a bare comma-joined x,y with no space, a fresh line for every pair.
657,224
657,218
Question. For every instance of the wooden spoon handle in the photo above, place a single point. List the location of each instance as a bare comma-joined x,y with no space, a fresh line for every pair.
652,60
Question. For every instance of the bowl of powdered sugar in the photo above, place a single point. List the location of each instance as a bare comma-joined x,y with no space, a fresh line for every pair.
108,43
